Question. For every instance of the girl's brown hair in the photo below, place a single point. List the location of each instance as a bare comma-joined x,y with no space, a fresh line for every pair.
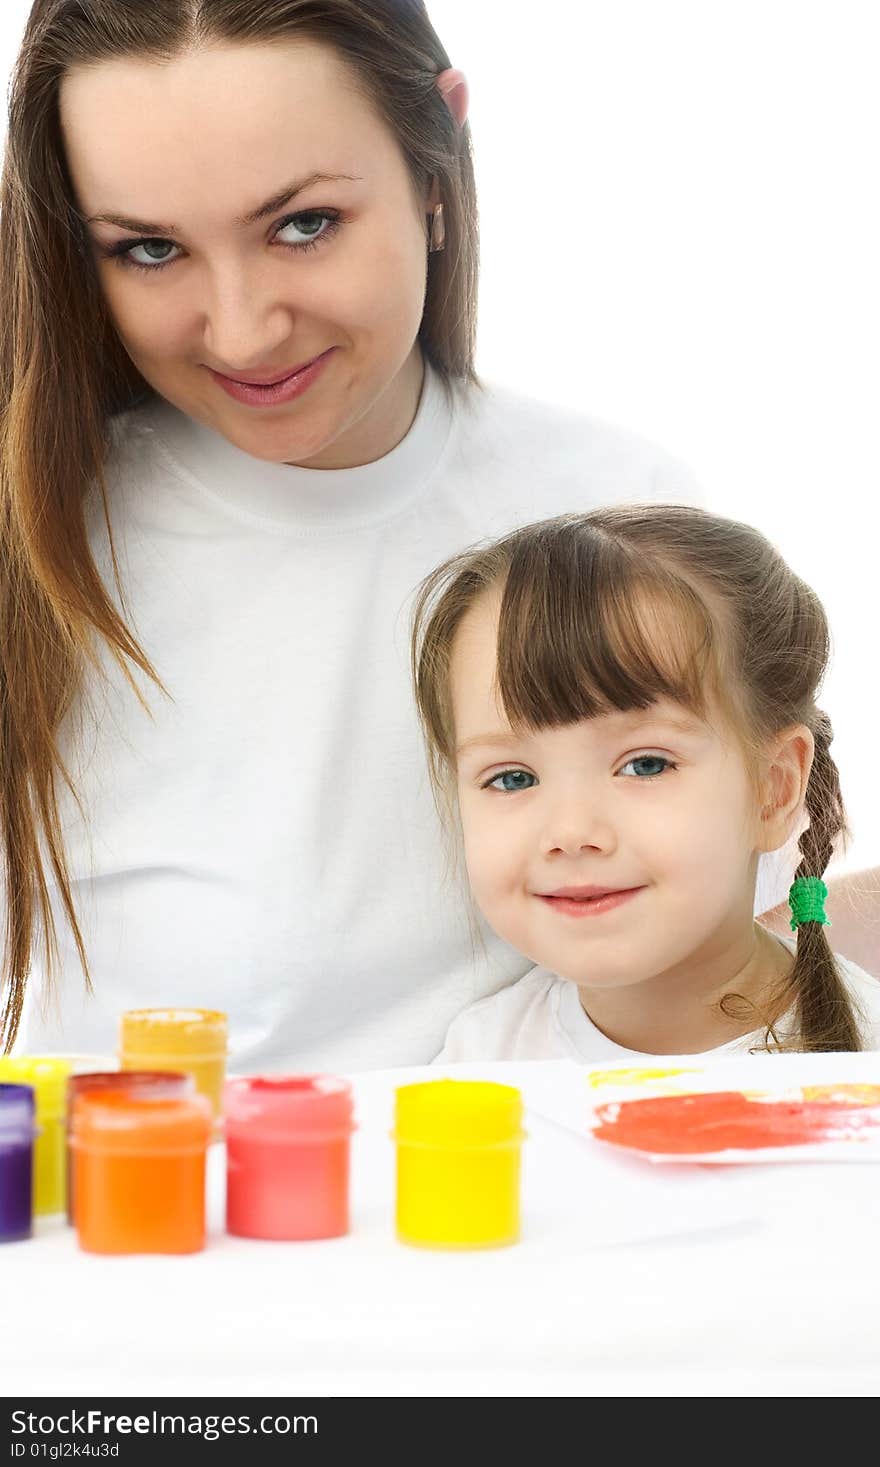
64,374
614,609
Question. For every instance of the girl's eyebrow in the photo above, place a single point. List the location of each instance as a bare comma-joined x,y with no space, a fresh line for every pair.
489,741
681,723
284,196
631,722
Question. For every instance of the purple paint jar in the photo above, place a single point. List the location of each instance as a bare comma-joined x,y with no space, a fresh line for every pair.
17,1133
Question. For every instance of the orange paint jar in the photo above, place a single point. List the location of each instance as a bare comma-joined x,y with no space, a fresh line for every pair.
194,1041
128,1082
139,1171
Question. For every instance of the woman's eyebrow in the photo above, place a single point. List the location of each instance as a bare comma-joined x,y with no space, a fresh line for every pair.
277,201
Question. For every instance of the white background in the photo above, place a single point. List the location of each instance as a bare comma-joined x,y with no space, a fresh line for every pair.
680,234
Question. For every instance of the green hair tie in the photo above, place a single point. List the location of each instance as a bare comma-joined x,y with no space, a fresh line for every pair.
806,898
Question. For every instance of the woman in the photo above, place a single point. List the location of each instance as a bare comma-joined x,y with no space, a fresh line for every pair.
241,421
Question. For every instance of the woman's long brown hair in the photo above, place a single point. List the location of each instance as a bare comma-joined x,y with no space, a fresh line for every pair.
614,609
64,375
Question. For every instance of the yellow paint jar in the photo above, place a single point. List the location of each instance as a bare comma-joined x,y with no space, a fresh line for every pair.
458,1163
190,1041
48,1075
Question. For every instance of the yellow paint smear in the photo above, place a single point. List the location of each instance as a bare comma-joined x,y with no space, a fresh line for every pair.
857,1094
637,1075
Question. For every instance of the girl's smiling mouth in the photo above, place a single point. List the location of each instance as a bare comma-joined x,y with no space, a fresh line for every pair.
587,901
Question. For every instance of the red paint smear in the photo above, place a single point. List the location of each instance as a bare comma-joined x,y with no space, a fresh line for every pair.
729,1120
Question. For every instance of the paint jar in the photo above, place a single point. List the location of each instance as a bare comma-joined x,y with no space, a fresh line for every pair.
48,1074
287,1156
139,1171
192,1040
458,1163
17,1130
128,1082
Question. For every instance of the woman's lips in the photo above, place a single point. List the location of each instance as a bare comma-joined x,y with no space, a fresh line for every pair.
589,906
286,390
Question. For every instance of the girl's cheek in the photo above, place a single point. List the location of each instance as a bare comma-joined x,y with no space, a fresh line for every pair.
487,852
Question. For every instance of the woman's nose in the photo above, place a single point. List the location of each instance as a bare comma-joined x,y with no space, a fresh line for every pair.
244,328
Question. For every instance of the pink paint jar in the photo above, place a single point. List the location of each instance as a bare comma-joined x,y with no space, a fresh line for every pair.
128,1082
287,1155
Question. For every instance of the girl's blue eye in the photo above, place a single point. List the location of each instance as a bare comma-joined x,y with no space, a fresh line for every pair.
311,226
645,766
509,774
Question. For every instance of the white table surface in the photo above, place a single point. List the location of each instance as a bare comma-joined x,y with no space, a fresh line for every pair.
630,1279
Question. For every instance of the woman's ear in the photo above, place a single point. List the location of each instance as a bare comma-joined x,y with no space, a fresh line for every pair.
784,780
453,88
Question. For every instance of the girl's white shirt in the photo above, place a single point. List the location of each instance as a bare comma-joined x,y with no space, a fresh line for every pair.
263,840
541,1017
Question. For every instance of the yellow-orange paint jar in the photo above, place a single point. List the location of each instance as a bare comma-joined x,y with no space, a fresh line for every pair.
48,1075
458,1163
193,1041
139,1171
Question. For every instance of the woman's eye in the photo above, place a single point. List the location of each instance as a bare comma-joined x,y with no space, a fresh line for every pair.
647,766
155,251
511,780
302,231
305,227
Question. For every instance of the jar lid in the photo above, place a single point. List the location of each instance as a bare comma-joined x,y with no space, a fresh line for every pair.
132,1082
173,1033
47,1073
458,1113
115,1120
16,1113
289,1105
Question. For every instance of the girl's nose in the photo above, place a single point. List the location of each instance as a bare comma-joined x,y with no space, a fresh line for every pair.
576,826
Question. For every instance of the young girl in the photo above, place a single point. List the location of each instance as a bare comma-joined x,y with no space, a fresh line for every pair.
620,707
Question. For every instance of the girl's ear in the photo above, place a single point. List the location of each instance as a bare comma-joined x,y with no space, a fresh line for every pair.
453,88
785,776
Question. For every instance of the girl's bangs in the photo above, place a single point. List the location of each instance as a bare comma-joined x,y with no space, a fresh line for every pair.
584,631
